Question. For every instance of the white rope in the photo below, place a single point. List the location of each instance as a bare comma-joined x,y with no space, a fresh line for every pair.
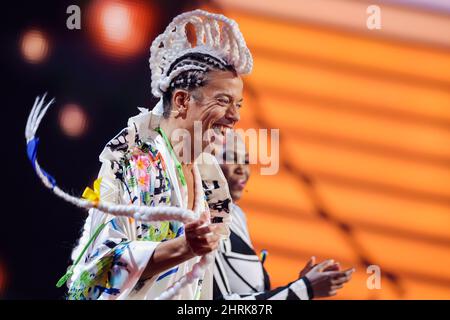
140,213
226,43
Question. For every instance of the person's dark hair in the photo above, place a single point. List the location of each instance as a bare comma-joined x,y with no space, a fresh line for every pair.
192,79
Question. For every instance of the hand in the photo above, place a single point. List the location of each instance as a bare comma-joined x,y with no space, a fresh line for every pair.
309,265
201,237
312,263
326,277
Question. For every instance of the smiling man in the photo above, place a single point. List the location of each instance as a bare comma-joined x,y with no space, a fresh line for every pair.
198,81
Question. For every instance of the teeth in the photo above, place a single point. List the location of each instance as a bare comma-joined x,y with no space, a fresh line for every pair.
216,129
219,129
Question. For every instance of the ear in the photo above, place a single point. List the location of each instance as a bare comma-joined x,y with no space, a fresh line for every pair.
180,100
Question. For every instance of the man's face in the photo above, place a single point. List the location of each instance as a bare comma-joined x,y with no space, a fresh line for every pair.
237,175
216,104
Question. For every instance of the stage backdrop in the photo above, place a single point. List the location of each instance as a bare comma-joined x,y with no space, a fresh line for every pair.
364,119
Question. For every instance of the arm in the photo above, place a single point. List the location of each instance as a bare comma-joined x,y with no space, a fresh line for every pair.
167,254
199,239
113,264
321,280
297,290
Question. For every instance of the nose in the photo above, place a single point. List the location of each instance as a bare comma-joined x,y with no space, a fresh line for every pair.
233,114
239,170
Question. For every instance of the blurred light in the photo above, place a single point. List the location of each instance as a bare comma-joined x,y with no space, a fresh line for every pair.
121,28
34,46
3,278
116,23
73,120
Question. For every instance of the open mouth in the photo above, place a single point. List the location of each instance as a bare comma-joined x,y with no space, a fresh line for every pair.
220,128
220,131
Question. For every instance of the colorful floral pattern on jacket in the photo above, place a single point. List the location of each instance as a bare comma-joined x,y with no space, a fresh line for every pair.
147,183
143,175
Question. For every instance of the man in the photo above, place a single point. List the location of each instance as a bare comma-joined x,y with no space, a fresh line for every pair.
122,258
240,274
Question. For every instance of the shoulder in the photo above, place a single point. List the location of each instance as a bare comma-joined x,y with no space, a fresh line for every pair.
118,151
138,133
238,213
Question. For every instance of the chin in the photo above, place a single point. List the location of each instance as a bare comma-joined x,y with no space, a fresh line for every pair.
236,195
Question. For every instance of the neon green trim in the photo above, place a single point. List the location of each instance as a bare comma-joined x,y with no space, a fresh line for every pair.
175,159
69,272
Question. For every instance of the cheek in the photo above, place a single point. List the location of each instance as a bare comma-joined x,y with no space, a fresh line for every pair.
227,172
210,113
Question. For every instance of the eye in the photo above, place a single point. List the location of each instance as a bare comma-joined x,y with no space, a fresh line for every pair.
224,100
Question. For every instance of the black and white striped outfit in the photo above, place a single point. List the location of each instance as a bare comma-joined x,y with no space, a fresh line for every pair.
239,273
